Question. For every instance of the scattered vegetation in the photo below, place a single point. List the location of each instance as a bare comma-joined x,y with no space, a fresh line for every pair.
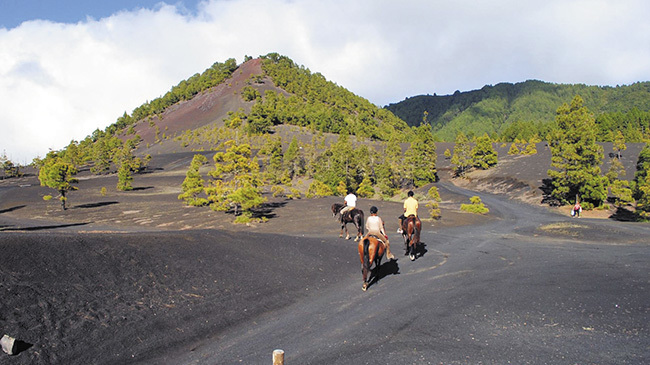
476,206
433,204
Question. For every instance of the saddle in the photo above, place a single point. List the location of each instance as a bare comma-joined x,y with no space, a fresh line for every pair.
347,214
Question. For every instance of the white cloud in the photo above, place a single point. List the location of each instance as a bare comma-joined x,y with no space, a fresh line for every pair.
62,81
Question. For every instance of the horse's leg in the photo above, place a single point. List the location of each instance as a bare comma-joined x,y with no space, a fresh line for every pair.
364,249
347,234
364,272
358,237
412,245
406,243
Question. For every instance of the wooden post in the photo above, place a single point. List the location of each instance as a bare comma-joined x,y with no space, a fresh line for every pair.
278,357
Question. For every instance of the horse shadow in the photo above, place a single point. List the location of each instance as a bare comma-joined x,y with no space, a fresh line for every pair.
420,250
390,267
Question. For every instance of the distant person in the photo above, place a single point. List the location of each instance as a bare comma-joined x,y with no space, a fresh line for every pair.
410,208
375,227
349,202
577,209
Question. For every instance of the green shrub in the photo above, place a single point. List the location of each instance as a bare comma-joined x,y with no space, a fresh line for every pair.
476,206
317,188
277,191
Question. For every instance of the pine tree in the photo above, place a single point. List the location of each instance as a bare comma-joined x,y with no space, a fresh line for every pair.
461,158
341,188
514,150
619,144
193,185
641,191
420,158
58,175
365,189
103,151
576,157
274,168
483,154
126,164
293,162
237,180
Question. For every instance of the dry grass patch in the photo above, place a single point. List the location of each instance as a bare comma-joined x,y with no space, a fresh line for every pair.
563,228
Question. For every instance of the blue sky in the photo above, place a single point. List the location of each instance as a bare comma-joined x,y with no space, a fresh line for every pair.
14,12
70,67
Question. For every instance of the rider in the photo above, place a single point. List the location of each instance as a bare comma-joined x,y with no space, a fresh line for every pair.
410,208
375,227
349,202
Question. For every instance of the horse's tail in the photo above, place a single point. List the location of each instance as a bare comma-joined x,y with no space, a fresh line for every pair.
360,222
417,228
366,253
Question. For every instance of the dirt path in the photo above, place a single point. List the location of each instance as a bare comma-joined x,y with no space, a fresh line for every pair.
505,291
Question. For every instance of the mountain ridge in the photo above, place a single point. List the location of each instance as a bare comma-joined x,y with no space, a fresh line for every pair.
492,109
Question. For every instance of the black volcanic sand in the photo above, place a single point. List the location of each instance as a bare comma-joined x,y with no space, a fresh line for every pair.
119,298
136,277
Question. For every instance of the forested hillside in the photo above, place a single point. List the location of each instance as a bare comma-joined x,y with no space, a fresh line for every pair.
518,111
266,120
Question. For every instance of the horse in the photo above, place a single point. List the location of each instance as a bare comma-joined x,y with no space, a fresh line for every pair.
371,250
411,228
354,216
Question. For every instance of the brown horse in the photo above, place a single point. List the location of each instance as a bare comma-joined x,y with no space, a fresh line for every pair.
411,228
371,250
354,216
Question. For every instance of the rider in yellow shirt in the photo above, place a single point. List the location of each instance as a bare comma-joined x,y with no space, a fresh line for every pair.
410,208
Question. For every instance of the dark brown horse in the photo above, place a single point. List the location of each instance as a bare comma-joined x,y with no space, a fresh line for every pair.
371,250
354,216
411,228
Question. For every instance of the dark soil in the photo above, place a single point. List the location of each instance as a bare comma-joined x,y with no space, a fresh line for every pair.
137,277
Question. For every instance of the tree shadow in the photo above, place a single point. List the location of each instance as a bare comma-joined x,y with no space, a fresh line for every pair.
139,188
547,190
266,210
12,209
42,228
94,205
624,215
148,170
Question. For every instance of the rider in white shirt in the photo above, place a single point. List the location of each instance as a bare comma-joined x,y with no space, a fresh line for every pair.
350,202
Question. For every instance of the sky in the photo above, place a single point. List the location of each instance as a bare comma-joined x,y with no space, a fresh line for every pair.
69,67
